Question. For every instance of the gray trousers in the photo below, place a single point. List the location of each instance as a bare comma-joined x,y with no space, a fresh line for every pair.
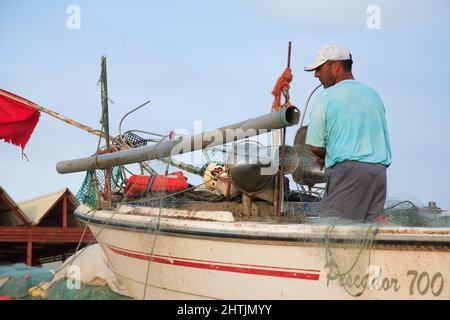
355,190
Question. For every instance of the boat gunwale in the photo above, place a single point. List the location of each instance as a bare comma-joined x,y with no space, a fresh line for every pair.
260,230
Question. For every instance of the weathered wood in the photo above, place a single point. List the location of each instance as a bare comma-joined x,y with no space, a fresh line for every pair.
246,205
14,208
29,253
44,234
54,114
64,211
54,205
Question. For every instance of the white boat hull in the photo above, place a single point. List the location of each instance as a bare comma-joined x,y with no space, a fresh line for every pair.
191,259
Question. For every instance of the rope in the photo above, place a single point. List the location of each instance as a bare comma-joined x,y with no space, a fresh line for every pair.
307,103
98,207
399,203
76,254
77,251
156,229
282,86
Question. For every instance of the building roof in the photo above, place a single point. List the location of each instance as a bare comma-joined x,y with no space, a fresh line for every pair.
10,213
38,208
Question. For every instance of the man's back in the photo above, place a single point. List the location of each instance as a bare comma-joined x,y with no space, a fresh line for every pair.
349,120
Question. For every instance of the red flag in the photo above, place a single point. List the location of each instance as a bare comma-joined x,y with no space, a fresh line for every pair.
18,118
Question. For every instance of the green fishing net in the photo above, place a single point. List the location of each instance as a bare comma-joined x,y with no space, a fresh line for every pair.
347,258
20,278
95,179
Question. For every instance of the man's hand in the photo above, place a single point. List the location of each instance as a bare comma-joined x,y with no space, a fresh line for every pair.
320,153
321,162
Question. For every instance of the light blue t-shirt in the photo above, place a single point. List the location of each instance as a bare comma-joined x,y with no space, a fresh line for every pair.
348,119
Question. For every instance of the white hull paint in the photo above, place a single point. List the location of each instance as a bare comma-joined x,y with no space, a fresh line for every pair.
194,259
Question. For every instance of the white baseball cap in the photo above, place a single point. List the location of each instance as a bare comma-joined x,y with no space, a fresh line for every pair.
329,52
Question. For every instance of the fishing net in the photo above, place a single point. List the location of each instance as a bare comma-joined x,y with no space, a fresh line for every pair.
20,278
93,186
216,154
59,291
348,245
347,258
407,213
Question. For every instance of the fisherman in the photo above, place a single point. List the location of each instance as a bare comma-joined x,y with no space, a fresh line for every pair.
348,133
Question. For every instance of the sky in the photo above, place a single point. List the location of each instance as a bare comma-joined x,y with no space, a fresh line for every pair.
217,62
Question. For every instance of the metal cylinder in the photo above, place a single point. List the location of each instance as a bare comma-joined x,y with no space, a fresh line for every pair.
184,166
251,166
308,171
275,120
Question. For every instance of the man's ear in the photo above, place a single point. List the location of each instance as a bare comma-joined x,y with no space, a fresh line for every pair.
336,67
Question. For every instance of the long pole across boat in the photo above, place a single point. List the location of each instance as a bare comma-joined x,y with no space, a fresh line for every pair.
282,118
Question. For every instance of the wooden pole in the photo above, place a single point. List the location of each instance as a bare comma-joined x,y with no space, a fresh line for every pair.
104,96
246,205
105,124
54,114
64,213
283,137
29,253
74,123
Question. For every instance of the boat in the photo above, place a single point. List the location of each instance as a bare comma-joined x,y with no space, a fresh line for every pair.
243,250
183,254
243,234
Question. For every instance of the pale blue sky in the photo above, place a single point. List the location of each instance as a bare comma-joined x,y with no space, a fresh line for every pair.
217,62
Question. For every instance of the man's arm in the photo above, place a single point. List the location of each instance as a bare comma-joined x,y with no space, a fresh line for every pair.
316,134
320,153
